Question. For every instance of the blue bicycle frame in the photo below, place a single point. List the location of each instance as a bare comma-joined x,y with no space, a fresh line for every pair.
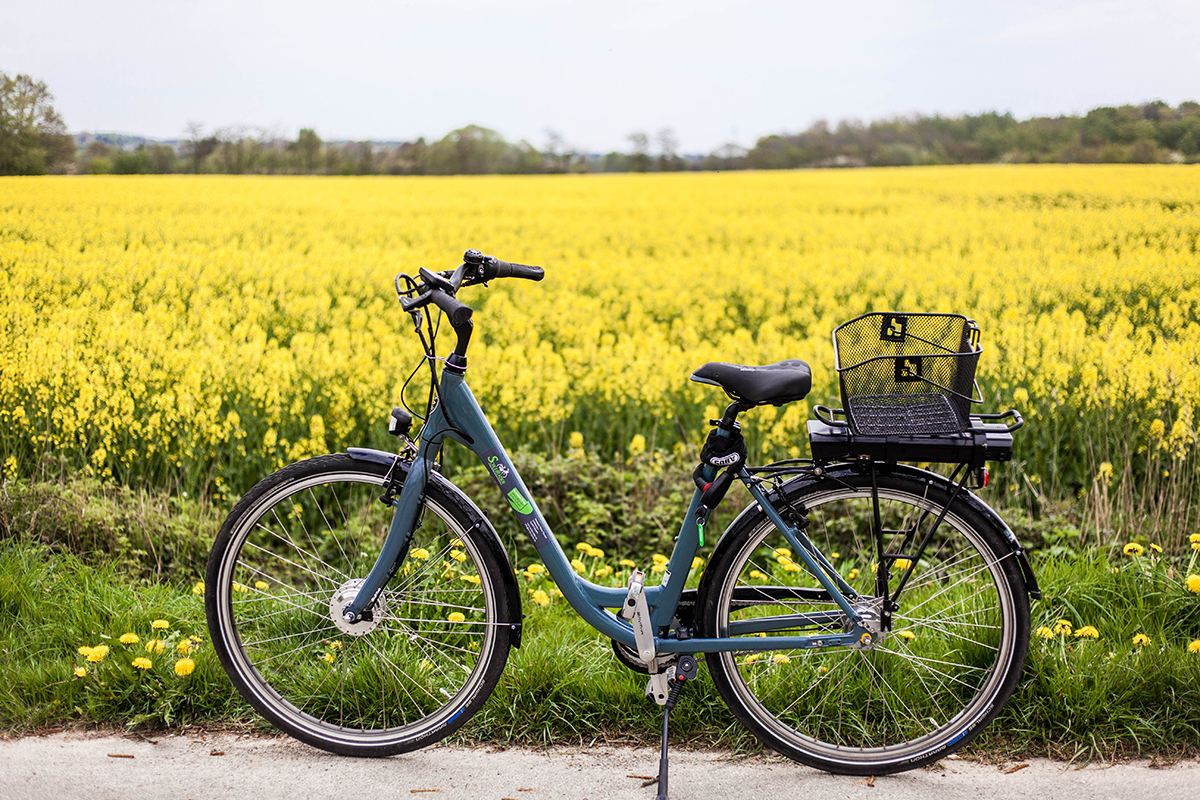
457,415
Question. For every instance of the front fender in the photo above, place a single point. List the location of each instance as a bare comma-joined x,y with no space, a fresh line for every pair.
476,517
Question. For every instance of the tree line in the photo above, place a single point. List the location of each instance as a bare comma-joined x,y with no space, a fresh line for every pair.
33,140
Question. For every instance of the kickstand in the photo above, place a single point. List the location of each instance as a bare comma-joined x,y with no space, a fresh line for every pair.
686,671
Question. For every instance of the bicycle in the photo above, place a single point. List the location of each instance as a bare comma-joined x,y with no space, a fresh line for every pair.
861,616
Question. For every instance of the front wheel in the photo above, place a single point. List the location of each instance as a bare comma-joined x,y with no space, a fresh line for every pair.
292,554
951,658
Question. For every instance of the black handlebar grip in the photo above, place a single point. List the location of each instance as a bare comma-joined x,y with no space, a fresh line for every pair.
458,313
507,270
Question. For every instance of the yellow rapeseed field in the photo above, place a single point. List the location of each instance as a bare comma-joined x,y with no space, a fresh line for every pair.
204,330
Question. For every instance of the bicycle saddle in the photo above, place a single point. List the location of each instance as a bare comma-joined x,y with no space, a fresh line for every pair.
776,384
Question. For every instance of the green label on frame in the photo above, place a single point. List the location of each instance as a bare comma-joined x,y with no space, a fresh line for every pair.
519,503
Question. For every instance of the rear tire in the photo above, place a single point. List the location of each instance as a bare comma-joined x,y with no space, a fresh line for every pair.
285,562
952,658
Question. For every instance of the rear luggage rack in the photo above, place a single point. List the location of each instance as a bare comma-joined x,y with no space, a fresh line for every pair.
986,439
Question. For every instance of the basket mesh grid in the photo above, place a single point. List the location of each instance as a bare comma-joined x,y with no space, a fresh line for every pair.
907,374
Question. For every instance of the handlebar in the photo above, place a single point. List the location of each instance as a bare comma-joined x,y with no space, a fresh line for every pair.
440,288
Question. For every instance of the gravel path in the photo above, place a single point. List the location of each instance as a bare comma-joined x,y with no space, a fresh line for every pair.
95,766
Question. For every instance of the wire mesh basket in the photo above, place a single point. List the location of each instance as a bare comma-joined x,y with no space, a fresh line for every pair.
907,374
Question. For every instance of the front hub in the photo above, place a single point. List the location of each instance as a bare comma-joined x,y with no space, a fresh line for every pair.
344,596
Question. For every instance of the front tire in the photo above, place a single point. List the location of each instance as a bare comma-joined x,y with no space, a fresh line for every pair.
290,556
953,656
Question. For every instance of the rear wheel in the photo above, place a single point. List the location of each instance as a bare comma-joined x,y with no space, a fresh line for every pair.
293,553
953,654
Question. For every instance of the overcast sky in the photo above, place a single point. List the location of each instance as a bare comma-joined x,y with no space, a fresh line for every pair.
713,71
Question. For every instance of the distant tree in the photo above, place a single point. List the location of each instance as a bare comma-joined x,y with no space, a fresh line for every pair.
33,139
163,158
308,145
197,147
668,150
639,157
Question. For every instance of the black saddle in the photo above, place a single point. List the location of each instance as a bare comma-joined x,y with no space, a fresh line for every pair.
776,384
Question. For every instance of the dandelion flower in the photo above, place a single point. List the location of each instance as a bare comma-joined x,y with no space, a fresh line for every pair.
791,566
198,588
1193,584
535,569
81,672
328,658
237,587
697,562
1141,639
1045,632
596,552
780,658
155,646
1194,538
541,598
902,563
750,659
555,591
1194,646
822,670
625,562
578,565
469,579
659,558
458,555
756,575
184,666
605,570
128,638
183,647
853,574
160,624
1063,627
1088,632
1133,549
262,586
1155,548
834,555
336,644
420,554
96,654
583,547
782,551
141,662
456,616
906,635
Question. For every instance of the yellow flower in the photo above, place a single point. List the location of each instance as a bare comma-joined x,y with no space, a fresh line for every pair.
160,624
456,542
638,445
1194,538
750,659
756,575
458,555
834,555
128,638
605,570
184,666
906,634
420,554
659,558
470,579
198,588
155,646
336,644
625,562
541,598
456,616
1141,640
1155,547
555,592
853,574
141,662
1063,627
237,587
1088,631
535,569
262,586
1193,584
81,672
328,658
822,670
578,565
583,547
183,647
1045,632
784,560
1194,646
697,562
780,658
596,552
96,654
902,563
575,440
781,552
1133,549
791,566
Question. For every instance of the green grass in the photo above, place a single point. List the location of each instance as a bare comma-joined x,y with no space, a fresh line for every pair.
1080,696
